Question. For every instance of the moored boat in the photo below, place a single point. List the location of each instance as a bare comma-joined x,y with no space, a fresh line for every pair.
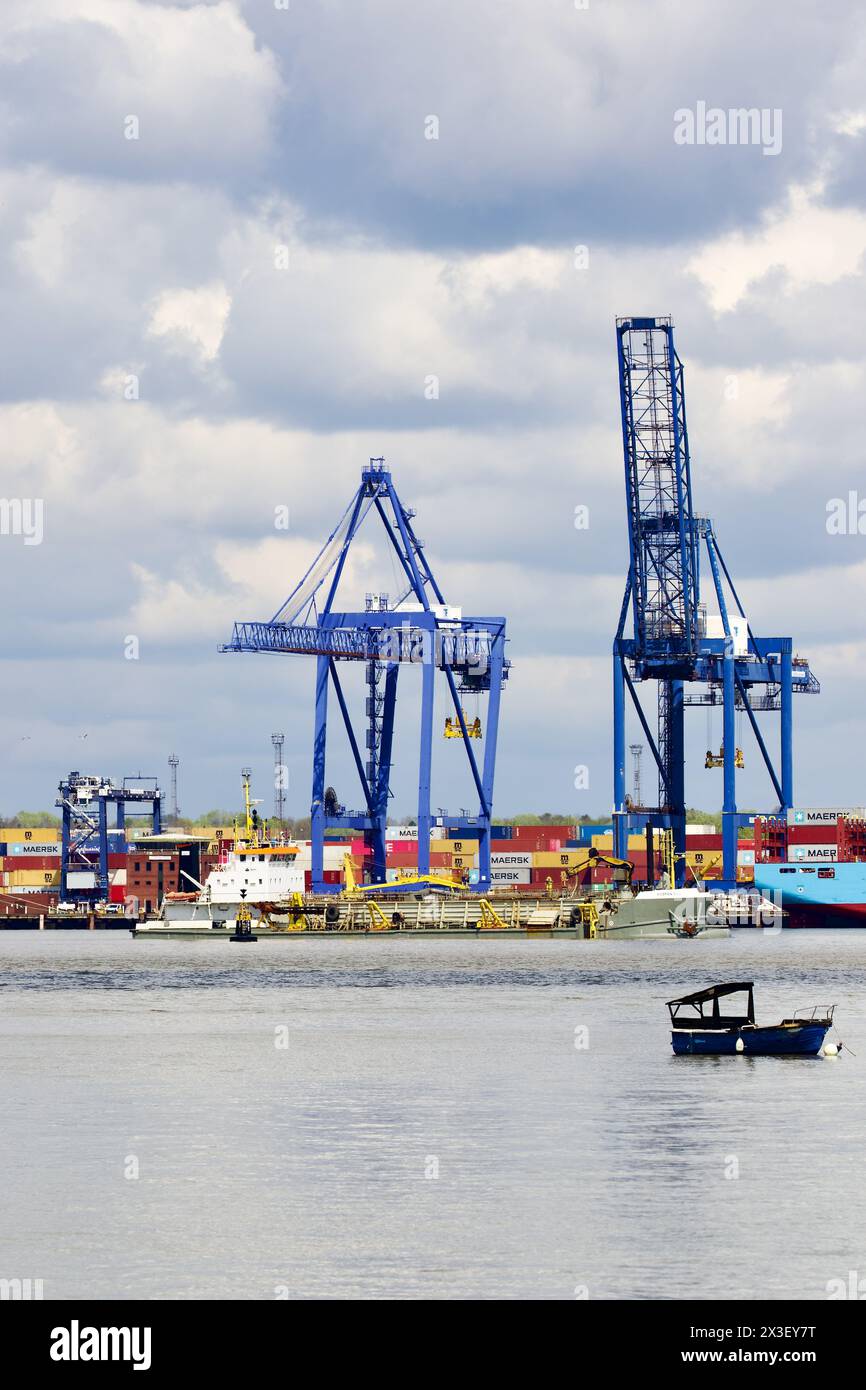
698,1027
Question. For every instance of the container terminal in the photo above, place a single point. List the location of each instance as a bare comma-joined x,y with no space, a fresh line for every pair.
464,871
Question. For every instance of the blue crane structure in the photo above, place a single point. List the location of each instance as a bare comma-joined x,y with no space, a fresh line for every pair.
695,660
84,803
418,628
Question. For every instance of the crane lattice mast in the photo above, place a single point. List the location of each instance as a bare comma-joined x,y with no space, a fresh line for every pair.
692,658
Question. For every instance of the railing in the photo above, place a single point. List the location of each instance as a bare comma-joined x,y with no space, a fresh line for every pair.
822,1013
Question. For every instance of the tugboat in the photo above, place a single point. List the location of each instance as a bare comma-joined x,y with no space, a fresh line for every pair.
704,1030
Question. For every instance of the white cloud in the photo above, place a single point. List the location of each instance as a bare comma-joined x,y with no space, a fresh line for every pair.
804,242
197,317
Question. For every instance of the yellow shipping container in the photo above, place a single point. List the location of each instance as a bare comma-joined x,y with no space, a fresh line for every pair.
559,859
36,837
605,842
34,878
454,846
464,861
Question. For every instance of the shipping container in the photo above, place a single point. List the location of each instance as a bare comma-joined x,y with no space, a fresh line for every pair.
703,842
41,835
509,877
512,860
812,854
822,815
585,832
80,880
23,849
813,834
26,890
565,859
43,878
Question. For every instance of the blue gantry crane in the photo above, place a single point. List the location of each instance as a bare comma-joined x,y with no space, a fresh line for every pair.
418,628
84,803
693,658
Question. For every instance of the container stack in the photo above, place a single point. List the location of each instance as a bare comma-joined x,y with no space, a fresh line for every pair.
29,869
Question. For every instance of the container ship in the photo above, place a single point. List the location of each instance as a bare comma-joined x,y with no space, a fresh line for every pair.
831,895
813,866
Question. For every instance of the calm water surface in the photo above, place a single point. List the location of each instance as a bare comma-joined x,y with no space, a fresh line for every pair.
304,1168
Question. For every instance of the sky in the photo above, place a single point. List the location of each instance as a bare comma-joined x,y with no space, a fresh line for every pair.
238,242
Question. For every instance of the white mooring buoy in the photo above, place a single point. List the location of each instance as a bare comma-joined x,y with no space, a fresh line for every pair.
740,1045
831,1050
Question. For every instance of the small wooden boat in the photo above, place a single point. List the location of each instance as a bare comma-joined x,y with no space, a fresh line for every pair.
699,1027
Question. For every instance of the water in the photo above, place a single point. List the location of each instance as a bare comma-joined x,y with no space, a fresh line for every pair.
301,1170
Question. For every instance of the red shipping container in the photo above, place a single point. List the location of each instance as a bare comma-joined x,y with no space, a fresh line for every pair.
560,832
703,842
31,861
812,834
117,893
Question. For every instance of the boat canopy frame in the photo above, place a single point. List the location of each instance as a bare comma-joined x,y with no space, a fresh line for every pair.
714,1018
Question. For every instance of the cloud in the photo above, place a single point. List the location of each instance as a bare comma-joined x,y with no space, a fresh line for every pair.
299,280
809,244
135,91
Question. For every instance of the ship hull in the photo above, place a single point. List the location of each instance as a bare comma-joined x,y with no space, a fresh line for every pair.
805,1040
816,896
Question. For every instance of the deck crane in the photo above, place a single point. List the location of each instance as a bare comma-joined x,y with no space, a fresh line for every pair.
418,628
693,658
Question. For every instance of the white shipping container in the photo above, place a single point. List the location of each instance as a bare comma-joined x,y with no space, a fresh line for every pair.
812,854
402,832
332,857
745,856
822,815
503,877
511,861
81,880
22,847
